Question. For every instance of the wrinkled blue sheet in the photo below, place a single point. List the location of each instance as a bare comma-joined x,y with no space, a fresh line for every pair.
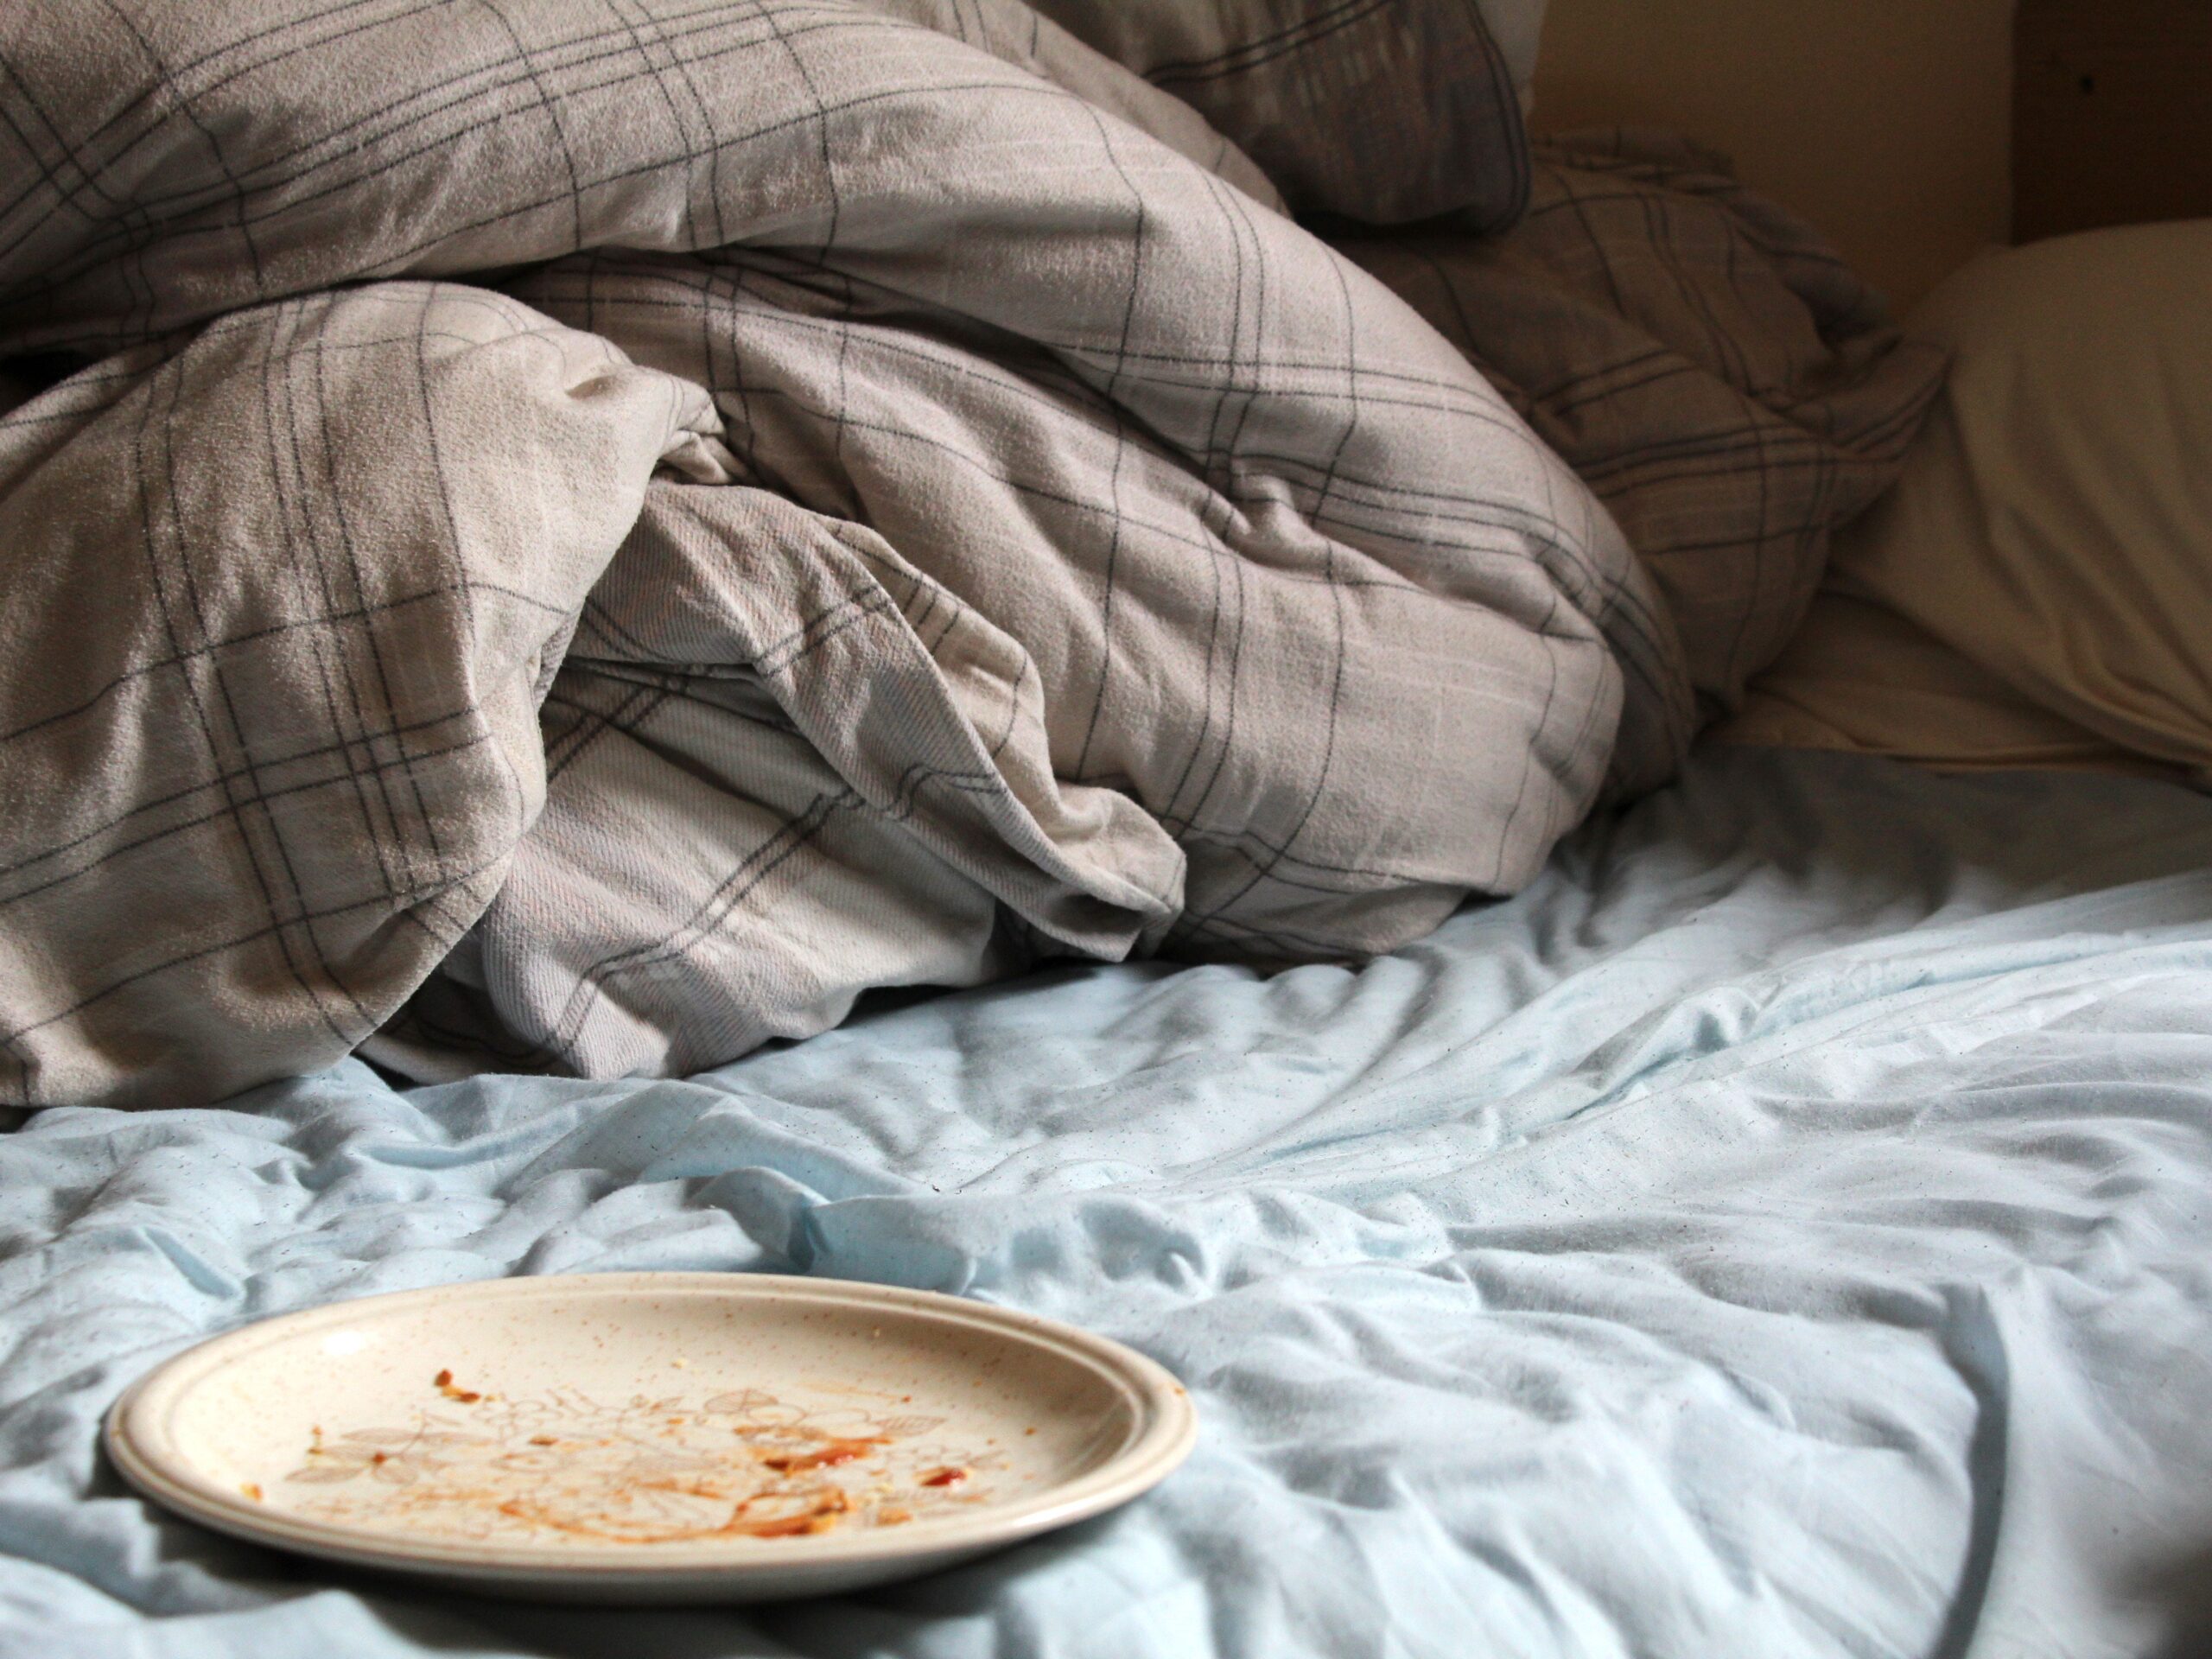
1786,1229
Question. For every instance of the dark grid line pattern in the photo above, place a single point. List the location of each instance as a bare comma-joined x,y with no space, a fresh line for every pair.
269,769
1705,363
899,500
1377,110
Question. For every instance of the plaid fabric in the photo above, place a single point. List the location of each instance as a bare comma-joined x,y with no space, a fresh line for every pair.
1701,359
874,514
1382,112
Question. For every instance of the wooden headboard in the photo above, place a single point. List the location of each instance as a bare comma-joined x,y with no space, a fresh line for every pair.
2112,113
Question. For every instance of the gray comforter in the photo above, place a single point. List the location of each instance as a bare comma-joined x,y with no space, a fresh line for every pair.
582,537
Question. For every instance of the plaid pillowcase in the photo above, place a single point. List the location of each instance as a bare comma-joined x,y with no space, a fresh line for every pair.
247,151
1727,385
1383,112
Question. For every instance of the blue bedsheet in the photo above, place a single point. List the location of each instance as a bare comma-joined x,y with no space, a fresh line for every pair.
1786,1229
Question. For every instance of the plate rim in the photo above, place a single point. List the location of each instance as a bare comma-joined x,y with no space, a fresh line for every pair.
1163,1435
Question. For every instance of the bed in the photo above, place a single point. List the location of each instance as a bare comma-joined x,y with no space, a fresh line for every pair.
1780,1230
1780,1226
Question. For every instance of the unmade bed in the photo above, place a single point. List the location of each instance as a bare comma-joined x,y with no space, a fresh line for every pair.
1058,654
1780,1230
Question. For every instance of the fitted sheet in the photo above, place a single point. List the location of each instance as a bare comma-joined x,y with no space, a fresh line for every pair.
1782,1228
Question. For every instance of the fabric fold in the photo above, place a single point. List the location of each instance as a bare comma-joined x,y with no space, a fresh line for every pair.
902,503
280,605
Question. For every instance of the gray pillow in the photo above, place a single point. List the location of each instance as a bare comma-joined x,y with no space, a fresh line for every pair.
1379,111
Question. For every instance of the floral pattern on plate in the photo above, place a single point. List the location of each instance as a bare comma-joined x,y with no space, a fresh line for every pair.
652,1470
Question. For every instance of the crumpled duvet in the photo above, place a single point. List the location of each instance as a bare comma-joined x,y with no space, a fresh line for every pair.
581,537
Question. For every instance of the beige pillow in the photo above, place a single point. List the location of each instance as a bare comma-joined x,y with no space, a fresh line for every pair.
2036,589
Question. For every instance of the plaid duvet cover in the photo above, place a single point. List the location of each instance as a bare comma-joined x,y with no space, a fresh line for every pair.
581,535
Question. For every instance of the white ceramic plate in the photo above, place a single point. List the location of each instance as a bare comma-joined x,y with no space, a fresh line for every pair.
650,1436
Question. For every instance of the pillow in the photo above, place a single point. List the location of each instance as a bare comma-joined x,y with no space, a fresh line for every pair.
2036,589
1383,112
1517,26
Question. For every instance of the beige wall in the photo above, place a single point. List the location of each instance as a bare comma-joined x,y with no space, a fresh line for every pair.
1886,122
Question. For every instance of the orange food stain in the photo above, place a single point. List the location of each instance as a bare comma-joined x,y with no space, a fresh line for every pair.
827,1508
797,1526
251,1491
803,1506
829,1456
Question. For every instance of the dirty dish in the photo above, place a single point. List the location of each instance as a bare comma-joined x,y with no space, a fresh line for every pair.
650,1436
